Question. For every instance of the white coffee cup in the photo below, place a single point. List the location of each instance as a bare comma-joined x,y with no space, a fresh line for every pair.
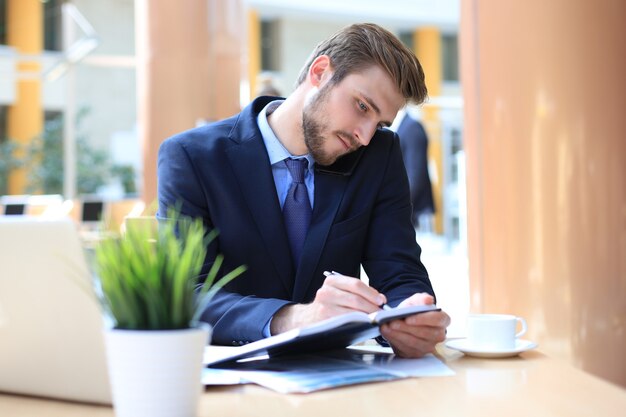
494,332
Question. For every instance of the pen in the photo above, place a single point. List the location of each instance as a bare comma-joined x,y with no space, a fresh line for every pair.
383,306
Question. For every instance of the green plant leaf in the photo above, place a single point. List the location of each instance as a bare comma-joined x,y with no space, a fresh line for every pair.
148,284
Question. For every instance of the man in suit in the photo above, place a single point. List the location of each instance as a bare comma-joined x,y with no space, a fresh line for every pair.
350,195
414,145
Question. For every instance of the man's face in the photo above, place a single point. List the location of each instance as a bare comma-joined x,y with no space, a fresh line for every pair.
340,118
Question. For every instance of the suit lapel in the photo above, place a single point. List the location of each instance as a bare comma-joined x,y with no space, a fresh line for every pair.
249,160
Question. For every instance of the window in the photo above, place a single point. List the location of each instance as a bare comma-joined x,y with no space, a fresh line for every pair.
407,39
6,152
52,25
450,57
270,45
3,22
3,122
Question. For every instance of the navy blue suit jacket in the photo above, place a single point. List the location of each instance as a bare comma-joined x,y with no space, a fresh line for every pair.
361,215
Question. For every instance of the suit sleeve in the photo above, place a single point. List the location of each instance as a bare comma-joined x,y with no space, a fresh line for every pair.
392,255
236,319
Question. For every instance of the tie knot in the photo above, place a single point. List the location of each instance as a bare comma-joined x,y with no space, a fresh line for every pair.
296,168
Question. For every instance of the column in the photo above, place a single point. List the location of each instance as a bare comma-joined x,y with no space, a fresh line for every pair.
546,172
254,50
188,69
427,43
25,117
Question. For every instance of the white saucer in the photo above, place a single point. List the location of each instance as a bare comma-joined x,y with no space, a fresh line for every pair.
462,345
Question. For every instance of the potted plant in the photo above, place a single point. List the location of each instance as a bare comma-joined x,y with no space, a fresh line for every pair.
147,285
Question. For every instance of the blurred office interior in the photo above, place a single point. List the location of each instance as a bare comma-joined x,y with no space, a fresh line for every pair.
524,119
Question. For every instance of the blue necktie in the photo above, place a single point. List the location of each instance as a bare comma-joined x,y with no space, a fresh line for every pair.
297,208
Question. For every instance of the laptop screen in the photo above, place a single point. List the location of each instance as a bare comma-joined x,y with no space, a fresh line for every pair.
14,209
92,211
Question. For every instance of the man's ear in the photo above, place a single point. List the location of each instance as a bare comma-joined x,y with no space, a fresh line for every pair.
320,70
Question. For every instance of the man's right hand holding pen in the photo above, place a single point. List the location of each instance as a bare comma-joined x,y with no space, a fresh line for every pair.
411,337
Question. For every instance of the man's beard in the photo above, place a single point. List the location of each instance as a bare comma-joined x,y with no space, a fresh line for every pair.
313,127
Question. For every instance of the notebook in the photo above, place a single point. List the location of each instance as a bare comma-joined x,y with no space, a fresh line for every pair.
51,341
333,333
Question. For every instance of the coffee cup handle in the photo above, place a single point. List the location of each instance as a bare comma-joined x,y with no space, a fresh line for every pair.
524,328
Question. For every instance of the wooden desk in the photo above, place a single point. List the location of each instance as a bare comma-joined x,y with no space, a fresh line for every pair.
530,385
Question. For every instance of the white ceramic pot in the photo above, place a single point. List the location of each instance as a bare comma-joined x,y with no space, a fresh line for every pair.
156,373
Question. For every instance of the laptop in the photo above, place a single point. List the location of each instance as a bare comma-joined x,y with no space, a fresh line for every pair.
51,340
92,211
13,205
14,209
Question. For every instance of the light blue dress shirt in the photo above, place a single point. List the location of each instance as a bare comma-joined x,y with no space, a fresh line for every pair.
278,153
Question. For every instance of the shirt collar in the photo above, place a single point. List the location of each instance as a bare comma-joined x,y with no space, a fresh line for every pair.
275,149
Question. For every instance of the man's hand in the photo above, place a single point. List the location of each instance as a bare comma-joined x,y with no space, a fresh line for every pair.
338,295
416,335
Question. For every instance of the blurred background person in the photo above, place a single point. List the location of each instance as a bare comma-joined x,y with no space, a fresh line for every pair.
266,86
414,144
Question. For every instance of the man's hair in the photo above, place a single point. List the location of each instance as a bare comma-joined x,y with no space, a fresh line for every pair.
358,47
